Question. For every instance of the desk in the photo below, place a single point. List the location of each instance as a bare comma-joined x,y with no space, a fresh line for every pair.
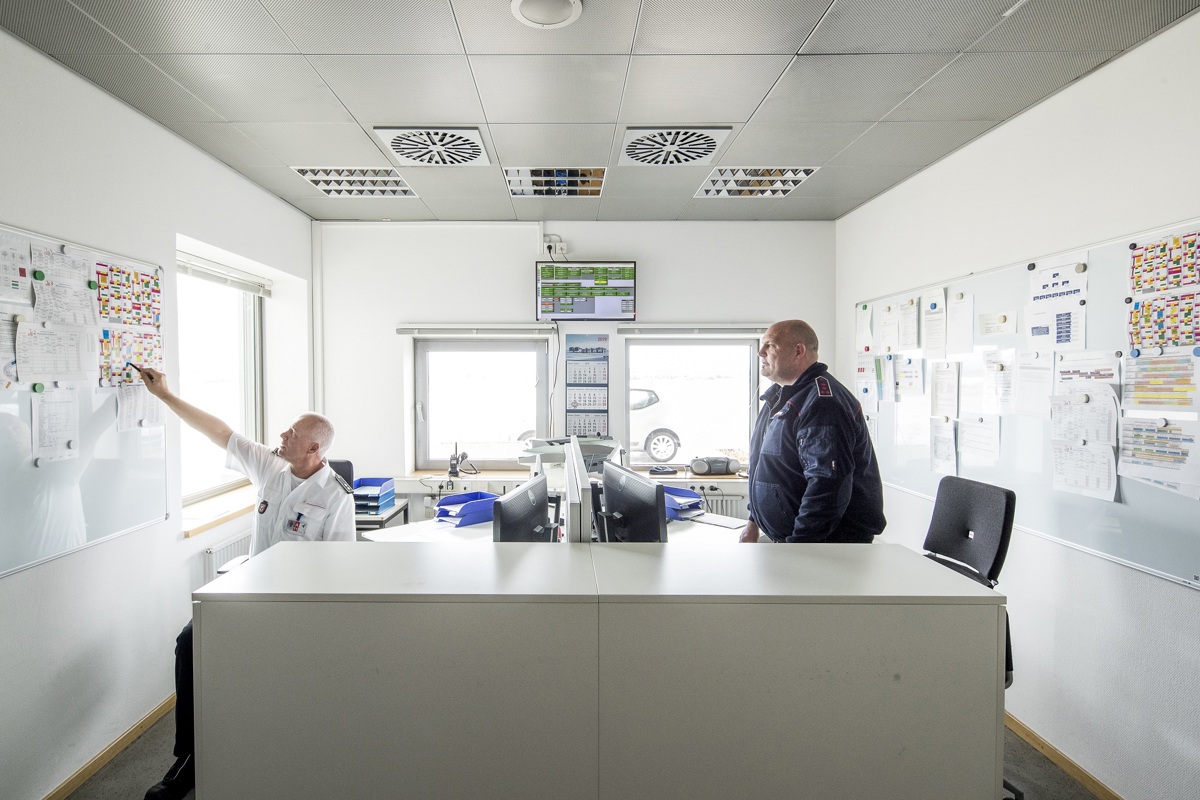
433,530
607,671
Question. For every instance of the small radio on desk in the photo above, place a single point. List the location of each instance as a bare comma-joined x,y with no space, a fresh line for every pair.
715,465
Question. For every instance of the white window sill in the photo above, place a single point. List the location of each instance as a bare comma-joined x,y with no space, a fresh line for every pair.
207,514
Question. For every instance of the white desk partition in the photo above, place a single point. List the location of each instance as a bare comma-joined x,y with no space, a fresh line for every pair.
606,671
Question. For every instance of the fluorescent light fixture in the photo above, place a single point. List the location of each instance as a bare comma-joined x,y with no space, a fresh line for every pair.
753,181
555,181
356,181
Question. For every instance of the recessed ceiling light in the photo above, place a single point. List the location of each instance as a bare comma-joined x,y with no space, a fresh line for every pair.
555,181
547,14
753,181
356,182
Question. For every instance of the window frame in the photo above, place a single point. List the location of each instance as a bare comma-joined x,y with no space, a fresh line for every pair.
539,345
684,340
254,401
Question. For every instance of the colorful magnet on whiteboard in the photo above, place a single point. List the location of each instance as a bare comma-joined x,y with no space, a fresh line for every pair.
38,388
866,390
889,358
38,275
864,306
932,306
908,361
1196,351
105,383
1083,399
999,368
959,296
945,419
1083,302
1081,267
1128,300
887,308
1061,357
1082,442
93,285
143,423
888,349
866,348
1158,351
1133,245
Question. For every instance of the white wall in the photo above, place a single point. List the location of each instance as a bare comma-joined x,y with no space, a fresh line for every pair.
377,275
1106,657
87,640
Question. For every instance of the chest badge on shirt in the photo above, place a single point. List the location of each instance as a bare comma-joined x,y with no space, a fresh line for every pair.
262,507
823,387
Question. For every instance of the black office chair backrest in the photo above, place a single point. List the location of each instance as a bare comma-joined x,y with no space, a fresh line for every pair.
343,468
972,523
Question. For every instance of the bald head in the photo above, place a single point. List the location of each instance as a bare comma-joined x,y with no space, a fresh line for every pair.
788,348
319,429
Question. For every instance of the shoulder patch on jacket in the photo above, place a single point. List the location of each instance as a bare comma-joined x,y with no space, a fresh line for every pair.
823,387
342,482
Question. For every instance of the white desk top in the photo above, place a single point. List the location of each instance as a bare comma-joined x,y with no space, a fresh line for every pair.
432,530
662,573
413,572
783,573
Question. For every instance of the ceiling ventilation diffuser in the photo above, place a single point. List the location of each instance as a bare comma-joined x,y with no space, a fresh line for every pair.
671,146
753,181
430,147
555,181
356,182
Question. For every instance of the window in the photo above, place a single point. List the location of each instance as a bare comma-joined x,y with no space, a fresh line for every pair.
220,358
690,398
481,397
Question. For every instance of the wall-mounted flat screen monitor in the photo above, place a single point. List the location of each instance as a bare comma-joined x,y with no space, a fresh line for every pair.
586,290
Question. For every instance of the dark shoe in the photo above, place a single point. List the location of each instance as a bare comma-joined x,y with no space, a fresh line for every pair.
179,780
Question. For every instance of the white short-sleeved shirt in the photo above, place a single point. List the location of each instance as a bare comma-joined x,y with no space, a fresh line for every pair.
319,508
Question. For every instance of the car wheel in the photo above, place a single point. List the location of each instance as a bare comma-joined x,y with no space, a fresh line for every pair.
662,445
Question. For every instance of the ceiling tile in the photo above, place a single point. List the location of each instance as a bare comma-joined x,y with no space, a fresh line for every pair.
471,208
368,208
850,88
489,27
316,145
642,208
536,208
994,86
1061,25
796,207
796,144
143,86
869,26
482,183
58,28
726,26
550,88
190,26
681,90
747,208
256,88
853,182
657,181
283,181
368,26
553,145
226,142
408,90
917,143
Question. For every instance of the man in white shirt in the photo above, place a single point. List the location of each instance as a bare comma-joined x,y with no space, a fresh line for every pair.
300,499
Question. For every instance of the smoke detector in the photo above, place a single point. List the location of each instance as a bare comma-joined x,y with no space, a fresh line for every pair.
435,147
547,14
671,146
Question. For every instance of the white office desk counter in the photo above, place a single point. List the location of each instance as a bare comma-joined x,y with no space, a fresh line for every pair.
609,671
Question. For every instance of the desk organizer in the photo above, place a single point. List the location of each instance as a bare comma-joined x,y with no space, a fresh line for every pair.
682,503
468,508
374,495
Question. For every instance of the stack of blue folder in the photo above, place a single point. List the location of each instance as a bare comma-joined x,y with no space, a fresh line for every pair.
374,495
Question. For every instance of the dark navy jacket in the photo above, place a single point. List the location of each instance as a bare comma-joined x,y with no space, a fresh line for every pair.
813,473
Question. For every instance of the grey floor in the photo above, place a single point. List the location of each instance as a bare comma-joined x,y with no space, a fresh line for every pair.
142,764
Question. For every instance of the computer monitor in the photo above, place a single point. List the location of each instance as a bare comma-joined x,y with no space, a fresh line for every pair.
635,507
522,515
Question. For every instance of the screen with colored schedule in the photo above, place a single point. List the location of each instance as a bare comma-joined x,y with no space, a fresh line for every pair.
585,290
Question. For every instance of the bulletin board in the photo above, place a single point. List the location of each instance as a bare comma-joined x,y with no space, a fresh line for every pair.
82,443
1142,294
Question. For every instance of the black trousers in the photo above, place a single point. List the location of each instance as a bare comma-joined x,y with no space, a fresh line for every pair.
185,703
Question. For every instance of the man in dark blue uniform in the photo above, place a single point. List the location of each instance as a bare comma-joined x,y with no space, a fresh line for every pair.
813,472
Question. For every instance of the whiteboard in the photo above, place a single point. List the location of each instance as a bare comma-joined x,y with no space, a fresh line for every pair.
93,481
1148,528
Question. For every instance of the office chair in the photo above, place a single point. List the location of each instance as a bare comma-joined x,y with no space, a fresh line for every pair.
343,468
969,533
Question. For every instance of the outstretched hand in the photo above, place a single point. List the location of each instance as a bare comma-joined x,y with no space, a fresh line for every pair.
156,382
